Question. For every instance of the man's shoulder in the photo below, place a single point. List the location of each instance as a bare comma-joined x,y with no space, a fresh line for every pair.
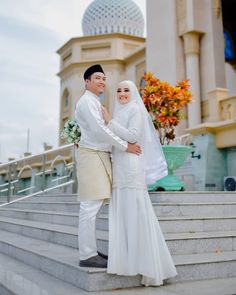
83,100
86,103
88,99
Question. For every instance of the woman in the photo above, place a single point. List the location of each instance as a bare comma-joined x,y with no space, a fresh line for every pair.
136,243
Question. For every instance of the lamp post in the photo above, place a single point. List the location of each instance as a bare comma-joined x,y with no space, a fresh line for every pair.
28,135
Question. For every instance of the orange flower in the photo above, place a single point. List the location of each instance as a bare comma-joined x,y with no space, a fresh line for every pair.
164,102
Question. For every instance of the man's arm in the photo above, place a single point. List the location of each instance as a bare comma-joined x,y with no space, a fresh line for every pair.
134,130
96,122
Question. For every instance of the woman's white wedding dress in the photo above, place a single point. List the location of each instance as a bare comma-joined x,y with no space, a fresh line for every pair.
136,242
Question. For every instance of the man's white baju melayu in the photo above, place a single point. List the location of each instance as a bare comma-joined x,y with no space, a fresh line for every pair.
136,242
94,168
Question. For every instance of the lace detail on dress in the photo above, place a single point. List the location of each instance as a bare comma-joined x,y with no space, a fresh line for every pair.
128,171
129,183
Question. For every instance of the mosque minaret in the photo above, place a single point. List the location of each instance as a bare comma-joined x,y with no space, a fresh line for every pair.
112,16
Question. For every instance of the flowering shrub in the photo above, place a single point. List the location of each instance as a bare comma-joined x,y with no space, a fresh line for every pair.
71,132
164,103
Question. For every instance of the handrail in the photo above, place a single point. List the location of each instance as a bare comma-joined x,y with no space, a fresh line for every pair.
37,155
38,193
23,176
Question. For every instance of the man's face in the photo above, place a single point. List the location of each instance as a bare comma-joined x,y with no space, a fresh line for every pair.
97,83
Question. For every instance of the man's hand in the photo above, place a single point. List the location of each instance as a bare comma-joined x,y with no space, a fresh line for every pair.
134,149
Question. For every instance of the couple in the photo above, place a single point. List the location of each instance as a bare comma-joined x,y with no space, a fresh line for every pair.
136,243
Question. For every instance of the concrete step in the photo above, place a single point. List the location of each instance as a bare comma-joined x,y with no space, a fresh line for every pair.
189,243
178,243
4,199
173,224
46,205
54,233
18,278
168,224
195,209
201,242
156,197
190,223
55,198
54,217
62,262
205,266
193,197
161,209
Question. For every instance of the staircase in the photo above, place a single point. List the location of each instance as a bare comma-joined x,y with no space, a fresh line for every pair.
40,234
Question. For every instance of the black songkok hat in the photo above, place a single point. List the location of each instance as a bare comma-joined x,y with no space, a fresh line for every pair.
93,69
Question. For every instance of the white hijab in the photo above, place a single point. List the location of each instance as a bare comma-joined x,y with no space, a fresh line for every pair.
155,163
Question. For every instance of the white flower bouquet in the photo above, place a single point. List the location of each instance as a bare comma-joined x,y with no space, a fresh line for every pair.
71,132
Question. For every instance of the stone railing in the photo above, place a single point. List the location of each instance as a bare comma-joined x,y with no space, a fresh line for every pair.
39,173
228,108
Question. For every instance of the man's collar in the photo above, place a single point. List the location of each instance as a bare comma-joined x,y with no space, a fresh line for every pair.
91,93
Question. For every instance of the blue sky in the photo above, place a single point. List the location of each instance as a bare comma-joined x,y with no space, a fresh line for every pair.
30,33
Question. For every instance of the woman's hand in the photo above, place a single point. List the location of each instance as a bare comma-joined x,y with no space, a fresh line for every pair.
106,116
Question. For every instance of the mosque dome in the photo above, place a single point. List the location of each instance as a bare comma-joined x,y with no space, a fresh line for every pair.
113,16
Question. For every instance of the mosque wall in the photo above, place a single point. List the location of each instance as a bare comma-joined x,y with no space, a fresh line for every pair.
230,73
96,51
162,40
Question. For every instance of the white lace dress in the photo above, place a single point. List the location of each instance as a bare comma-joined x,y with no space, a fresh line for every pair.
136,242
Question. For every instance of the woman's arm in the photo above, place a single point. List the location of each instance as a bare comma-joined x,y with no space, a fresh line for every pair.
133,132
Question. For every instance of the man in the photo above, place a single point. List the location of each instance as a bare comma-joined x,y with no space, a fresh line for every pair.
94,166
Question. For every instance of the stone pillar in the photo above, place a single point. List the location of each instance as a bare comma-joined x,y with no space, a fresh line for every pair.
191,50
214,98
164,56
34,182
231,161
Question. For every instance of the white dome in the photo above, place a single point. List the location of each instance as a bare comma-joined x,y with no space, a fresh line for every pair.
113,16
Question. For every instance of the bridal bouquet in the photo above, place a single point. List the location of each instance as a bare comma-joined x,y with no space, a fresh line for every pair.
71,132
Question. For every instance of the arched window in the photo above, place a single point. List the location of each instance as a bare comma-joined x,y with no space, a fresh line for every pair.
142,83
66,101
229,47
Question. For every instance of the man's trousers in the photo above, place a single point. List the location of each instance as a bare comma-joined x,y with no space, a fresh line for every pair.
87,228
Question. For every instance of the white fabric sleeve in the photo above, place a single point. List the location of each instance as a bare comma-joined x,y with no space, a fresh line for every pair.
96,122
131,134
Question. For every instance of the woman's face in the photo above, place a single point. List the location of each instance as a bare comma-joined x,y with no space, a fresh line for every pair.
123,93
